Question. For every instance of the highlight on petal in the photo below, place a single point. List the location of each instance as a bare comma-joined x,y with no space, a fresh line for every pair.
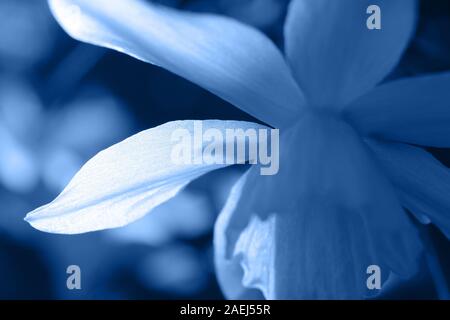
335,57
229,270
327,224
422,182
234,61
126,181
256,251
414,110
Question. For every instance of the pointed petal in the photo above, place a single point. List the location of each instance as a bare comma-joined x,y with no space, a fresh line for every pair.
335,57
422,182
312,230
415,110
126,181
234,61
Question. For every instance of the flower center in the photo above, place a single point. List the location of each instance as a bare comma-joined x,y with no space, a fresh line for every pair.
316,120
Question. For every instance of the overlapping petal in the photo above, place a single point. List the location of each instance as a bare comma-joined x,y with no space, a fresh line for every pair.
312,230
423,183
334,56
229,269
127,180
232,60
414,110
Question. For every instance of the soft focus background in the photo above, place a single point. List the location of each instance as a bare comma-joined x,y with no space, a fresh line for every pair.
62,101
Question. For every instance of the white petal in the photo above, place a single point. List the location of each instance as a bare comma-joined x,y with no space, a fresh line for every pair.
414,110
124,182
335,57
228,269
423,182
234,61
312,230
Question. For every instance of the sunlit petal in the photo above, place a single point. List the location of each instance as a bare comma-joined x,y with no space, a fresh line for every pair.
232,60
124,182
228,269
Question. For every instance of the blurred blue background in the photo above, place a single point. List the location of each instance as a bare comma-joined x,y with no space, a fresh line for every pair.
62,101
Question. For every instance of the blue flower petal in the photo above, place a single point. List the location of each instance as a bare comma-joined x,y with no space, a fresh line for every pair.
234,61
126,181
414,110
312,230
335,57
422,181
229,269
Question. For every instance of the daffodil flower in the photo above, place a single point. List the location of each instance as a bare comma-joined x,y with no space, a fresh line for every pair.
349,164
